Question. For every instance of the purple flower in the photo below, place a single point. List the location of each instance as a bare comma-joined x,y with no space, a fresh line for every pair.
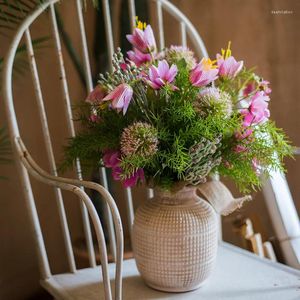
121,97
116,173
204,73
228,67
138,57
257,110
111,158
162,75
132,181
96,95
143,40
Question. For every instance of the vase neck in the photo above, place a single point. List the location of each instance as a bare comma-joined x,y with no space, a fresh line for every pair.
184,195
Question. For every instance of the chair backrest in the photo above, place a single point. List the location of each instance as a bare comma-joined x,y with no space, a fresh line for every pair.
23,159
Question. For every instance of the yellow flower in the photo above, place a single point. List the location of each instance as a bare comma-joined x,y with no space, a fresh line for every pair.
226,53
139,24
208,64
103,105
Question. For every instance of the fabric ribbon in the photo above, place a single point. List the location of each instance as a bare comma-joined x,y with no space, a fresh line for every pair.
220,198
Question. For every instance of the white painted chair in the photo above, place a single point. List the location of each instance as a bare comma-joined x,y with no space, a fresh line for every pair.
87,283
93,282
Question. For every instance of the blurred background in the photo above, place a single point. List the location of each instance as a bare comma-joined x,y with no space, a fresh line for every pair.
260,36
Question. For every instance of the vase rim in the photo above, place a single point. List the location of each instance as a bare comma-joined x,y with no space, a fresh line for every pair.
177,188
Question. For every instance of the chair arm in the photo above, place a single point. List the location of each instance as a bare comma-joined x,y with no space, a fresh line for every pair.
24,155
107,198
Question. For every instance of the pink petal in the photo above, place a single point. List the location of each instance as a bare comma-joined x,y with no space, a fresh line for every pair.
220,60
248,120
137,40
138,57
239,67
160,82
130,182
114,93
111,158
149,37
172,73
163,69
96,95
229,67
141,174
153,73
153,85
195,75
116,173
200,78
127,99
239,149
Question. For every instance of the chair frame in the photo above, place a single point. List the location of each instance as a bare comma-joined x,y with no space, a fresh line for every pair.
26,165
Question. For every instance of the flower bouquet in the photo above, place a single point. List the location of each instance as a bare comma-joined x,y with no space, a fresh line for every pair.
171,121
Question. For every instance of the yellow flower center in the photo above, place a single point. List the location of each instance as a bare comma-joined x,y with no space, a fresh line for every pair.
226,53
139,24
103,105
208,64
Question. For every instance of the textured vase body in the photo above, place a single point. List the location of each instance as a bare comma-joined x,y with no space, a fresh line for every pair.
175,239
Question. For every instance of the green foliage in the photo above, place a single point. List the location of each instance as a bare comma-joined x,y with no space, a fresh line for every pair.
268,147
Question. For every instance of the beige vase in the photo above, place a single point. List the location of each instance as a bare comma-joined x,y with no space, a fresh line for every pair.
175,239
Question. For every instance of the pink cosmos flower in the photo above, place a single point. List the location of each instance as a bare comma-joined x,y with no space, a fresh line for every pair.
138,57
244,137
132,181
257,110
121,97
111,158
264,86
143,40
229,67
204,73
239,148
116,173
250,88
96,95
162,75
